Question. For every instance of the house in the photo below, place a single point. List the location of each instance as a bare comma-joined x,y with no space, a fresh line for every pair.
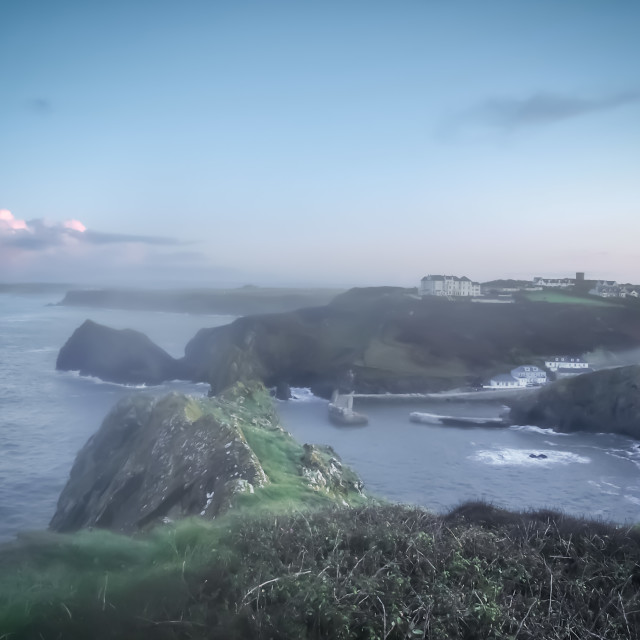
503,381
611,289
553,282
529,375
435,285
526,375
577,365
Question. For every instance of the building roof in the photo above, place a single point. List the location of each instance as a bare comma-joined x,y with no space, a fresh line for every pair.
504,377
530,367
445,277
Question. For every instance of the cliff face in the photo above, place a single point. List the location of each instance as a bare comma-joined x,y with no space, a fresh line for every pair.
391,340
180,456
124,356
604,401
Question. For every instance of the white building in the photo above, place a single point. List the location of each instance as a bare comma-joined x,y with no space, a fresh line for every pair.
611,289
525,376
433,285
566,362
553,282
503,381
528,375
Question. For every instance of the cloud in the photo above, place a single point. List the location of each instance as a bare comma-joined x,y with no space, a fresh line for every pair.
538,110
9,223
38,234
98,237
542,109
69,252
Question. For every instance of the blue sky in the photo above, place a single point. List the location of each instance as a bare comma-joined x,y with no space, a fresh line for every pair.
337,142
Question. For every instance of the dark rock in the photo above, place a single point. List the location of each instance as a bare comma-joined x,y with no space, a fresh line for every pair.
124,356
151,460
283,391
323,469
604,401
390,339
538,456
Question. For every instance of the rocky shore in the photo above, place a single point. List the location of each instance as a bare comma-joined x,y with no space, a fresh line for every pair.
603,401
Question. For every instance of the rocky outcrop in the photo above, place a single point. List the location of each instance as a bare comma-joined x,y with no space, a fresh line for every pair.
324,471
158,460
604,401
389,338
124,356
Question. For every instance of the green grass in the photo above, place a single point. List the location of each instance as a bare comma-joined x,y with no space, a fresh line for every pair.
369,573
558,297
249,408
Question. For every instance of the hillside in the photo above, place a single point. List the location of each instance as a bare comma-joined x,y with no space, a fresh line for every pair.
239,301
607,400
396,342
158,460
371,572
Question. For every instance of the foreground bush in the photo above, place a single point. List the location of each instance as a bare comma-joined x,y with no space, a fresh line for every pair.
374,572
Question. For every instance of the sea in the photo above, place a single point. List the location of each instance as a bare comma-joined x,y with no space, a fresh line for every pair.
46,416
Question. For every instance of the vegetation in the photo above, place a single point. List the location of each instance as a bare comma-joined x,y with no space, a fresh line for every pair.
373,572
566,297
241,301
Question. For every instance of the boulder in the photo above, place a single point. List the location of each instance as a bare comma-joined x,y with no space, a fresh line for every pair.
124,356
604,401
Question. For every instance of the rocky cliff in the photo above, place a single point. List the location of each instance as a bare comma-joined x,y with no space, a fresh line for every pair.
153,460
124,356
604,401
392,341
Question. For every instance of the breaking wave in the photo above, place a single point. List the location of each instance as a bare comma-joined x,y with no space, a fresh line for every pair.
516,457
534,429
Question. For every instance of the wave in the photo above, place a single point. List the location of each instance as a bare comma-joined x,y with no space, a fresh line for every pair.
607,488
303,394
517,457
96,380
533,429
630,455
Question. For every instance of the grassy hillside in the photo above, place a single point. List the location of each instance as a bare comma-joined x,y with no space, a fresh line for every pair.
563,297
372,572
240,301
395,341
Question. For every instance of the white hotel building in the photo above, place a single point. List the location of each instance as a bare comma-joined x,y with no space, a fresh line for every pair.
448,286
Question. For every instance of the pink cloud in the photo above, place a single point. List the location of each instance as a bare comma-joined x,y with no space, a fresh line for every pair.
8,221
76,225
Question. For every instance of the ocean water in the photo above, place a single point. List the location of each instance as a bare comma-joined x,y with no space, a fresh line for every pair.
597,475
46,416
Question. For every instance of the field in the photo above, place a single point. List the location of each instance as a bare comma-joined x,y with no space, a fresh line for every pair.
559,297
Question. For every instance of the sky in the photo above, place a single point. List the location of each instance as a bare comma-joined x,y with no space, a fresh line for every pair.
333,143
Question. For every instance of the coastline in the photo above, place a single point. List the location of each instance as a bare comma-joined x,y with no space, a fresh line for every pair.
484,395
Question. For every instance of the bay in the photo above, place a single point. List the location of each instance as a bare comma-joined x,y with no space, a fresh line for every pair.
46,416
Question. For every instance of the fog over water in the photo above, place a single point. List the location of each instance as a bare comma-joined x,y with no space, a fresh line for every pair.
46,417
